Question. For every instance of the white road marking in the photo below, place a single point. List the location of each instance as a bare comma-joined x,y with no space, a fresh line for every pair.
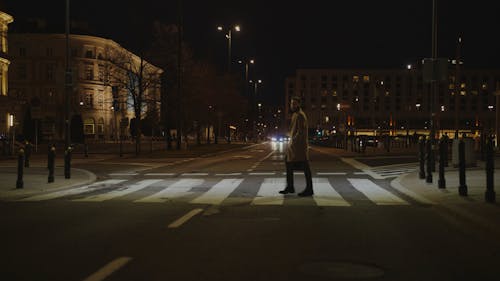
185,218
262,174
268,193
331,173
108,269
177,189
194,174
360,173
229,174
160,174
325,194
360,166
218,192
119,192
73,191
123,174
376,193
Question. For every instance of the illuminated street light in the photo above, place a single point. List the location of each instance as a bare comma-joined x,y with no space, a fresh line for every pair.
229,37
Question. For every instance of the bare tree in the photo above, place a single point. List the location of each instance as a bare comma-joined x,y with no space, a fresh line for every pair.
138,83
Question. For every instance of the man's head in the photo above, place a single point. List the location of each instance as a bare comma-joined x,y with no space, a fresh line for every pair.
295,103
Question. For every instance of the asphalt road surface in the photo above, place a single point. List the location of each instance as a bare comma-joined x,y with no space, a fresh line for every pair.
220,217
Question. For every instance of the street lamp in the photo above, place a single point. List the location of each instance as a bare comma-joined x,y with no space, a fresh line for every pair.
247,63
229,37
254,97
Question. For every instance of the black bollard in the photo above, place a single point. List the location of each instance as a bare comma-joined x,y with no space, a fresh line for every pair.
67,163
442,148
490,166
27,154
462,189
421,146
51,164
428,150
446,148
86,150
20,160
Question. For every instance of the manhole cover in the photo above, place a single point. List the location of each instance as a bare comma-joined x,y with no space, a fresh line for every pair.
346,270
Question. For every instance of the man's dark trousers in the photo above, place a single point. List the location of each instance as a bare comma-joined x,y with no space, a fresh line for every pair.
298,165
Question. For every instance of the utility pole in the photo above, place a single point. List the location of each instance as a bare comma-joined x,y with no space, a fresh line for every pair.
179,77
457,84
68,83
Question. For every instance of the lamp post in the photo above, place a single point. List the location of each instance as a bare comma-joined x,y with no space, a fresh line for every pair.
247,63
68,83
229,37
252,103
408,95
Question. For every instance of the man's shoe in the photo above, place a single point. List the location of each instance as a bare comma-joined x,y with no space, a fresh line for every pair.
306,193
287,190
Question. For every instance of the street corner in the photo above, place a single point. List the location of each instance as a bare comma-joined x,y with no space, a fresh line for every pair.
35,181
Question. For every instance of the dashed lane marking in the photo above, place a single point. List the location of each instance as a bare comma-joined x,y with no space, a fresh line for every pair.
108,269
180,221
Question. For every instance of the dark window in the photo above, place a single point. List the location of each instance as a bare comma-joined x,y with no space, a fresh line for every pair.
22,52
89,72
89,54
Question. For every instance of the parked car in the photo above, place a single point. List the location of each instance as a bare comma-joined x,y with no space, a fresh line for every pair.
371,141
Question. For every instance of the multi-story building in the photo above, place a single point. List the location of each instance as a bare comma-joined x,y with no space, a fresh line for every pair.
6,122
101,70
394,100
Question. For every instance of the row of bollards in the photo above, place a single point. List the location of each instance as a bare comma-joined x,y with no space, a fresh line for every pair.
23,161
426,157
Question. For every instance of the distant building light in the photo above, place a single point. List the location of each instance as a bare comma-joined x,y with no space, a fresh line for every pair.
11,120
408,67
442,107
490,107
327,119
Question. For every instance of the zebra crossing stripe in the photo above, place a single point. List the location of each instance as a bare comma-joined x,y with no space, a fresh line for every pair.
74,191
218,192
262,174
119,192
331,173
177,189
159,174
268,193
325,194
376,193
194,174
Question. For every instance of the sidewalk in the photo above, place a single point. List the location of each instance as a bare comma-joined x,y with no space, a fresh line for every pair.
36,180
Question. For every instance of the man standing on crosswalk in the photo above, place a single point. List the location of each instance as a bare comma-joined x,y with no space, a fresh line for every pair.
297,154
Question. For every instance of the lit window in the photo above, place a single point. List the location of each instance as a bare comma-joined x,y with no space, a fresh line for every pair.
366,78
88,126
462,85
355,79
484,86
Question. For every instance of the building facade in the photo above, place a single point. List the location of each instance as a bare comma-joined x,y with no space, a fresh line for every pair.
101,73
6,122
394,101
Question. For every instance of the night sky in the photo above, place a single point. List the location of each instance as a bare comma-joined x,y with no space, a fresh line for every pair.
283,36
